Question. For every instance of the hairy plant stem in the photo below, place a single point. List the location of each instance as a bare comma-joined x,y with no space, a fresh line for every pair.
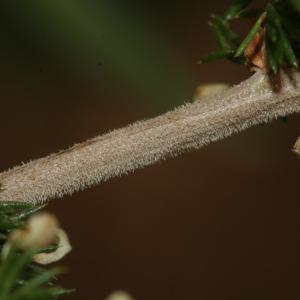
254,101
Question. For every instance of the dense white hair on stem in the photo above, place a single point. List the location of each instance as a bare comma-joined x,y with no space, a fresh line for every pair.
188,127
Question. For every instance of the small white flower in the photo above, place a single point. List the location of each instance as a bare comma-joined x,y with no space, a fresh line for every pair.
40,231
297,146
119,295
63,248
206,90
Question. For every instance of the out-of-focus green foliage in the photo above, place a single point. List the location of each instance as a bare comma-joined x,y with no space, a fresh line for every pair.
99,41
14,214
20,278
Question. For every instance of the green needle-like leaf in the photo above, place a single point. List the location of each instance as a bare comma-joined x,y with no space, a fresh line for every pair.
20,278
12,273
43,294
11,206
278,21
236,8
28,212
272,32
279,53
216,55
35,283
229,35
13,214
253,13
221,38
274,18
271,60
4,267
254,30
288,50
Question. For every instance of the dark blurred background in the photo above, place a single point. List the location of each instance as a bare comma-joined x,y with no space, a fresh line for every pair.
219,223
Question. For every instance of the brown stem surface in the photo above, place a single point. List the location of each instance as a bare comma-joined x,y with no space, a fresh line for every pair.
188,127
